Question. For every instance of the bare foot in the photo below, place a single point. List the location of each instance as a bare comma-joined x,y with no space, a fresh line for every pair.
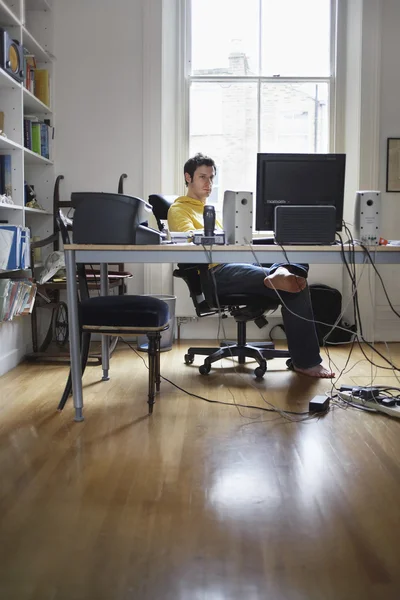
283,280
318,371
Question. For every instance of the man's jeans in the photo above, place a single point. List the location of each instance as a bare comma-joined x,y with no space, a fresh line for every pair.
301,335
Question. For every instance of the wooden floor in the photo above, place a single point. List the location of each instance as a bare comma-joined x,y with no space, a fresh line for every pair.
200,501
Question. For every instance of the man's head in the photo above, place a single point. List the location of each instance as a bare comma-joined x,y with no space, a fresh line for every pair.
199,174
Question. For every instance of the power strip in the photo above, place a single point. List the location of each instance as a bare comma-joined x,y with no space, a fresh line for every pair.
392,411
209,240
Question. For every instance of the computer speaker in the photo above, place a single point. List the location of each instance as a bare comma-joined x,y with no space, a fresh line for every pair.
237,217
11,56
367,217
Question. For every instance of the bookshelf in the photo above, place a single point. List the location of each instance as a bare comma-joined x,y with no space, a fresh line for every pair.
31,23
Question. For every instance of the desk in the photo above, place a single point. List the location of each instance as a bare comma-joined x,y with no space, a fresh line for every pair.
187,253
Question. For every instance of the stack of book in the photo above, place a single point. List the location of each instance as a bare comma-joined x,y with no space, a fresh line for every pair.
17,297
37,81
38,135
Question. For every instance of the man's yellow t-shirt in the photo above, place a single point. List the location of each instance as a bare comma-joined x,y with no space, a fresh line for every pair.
186,214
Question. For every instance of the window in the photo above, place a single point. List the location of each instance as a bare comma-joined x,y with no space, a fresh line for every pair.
260,79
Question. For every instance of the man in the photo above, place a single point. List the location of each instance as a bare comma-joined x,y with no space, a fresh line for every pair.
186,214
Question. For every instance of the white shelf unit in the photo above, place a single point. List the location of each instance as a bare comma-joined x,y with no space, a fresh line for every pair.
31,23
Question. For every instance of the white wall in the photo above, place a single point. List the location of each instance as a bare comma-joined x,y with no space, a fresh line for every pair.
389,111
99,98
387,323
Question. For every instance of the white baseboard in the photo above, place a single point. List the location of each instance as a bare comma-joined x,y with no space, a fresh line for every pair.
11,360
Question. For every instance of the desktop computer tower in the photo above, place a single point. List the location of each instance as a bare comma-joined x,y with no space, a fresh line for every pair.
367,217
237,217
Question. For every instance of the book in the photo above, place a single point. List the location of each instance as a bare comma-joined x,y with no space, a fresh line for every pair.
42,86
5,175
28,134
36,146
44,140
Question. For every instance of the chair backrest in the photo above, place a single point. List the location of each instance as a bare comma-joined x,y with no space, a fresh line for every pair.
121,183
160,205
83,288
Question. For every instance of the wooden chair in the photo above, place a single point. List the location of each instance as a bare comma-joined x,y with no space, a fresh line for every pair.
49,294
118,315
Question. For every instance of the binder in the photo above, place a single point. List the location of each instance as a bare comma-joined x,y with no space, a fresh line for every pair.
25,255
14,259
6,240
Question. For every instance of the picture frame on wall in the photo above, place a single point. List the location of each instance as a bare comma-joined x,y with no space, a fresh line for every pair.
393,165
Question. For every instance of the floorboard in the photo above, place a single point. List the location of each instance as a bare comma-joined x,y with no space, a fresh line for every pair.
200,501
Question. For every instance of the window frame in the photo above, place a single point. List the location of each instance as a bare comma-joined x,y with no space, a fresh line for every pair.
335,100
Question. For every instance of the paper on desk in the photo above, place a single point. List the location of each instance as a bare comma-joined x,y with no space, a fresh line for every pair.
6,241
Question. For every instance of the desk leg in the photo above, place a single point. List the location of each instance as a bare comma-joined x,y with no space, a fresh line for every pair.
72,297
105,347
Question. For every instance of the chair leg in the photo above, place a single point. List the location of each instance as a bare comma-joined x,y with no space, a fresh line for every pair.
158,352
85,346
152,354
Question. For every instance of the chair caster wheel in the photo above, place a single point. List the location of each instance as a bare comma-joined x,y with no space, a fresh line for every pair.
189,358
204,369
259,372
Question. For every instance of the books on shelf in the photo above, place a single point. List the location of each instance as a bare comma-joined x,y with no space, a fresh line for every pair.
38,135
5,175
29,71
42,86
14,247
36,81
17,297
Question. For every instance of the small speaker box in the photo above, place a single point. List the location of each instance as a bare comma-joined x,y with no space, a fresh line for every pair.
11,56
367,217
237,217
313,225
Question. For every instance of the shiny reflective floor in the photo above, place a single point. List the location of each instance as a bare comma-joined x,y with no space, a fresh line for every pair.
201,501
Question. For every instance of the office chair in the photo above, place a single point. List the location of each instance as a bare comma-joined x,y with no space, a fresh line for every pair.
242,307
118,315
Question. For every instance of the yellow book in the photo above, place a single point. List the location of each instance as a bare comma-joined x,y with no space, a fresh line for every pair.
42,86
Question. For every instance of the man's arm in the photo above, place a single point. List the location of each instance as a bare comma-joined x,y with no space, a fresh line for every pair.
179,220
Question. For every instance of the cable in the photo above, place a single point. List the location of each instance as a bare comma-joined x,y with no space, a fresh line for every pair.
283,413
380,278
357,315
251,406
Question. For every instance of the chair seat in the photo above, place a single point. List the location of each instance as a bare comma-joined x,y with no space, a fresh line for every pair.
124,311
253,300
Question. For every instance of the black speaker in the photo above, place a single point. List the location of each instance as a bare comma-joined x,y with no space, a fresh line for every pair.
11,56
309,224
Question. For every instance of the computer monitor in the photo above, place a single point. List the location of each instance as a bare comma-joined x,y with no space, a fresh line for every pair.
298,179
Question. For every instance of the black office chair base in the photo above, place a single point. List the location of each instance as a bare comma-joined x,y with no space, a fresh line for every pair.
263,345
241,351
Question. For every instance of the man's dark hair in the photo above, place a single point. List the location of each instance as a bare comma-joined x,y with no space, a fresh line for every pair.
199,160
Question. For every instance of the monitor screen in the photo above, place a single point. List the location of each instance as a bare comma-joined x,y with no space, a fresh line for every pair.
298,179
